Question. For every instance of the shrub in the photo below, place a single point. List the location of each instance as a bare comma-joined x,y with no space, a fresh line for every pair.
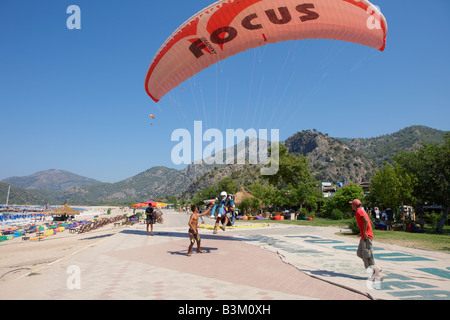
337,214
353,225
433,218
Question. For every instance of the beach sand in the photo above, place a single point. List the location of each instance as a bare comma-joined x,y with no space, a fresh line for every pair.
20,257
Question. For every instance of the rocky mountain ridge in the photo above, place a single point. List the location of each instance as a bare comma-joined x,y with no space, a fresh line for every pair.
53,179
331,160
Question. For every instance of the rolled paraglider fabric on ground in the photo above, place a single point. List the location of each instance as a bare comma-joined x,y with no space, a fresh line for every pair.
49,232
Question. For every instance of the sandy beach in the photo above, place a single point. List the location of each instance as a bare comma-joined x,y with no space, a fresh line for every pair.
20,257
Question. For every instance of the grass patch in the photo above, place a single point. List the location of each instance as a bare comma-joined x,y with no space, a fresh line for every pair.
429,241
317,222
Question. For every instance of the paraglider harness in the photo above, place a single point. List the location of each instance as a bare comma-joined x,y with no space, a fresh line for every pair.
223,207
218,207
229,205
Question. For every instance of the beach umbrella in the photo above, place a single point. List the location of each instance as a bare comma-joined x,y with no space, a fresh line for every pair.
144,204
65,211
160,205
150,203
138,205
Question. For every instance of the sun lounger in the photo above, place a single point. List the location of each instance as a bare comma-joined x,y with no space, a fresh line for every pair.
83,228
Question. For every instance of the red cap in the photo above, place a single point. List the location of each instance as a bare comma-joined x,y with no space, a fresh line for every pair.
356,202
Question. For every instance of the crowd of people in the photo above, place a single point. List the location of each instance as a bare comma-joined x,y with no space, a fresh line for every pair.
384,219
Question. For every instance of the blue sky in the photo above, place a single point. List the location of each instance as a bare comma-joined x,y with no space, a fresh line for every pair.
75,99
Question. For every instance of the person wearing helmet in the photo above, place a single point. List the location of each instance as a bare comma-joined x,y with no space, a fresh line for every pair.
230,215
220,205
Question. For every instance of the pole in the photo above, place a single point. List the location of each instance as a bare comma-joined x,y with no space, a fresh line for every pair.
7,197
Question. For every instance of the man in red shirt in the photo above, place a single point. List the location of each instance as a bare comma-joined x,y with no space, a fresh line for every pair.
365,249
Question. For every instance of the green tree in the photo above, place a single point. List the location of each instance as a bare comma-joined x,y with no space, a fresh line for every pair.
341,199
244,206
430,165
228,185
293,178
292,169
392,185
207,193
264,193
304,194
280,199
255,204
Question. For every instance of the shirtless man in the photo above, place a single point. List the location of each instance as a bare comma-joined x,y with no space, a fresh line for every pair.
193,230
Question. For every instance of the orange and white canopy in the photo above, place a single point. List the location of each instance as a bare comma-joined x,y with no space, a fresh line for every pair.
228,27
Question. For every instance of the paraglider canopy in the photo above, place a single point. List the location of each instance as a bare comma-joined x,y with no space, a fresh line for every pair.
228,27
152,116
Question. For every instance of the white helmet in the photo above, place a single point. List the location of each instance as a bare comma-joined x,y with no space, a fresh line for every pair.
223,193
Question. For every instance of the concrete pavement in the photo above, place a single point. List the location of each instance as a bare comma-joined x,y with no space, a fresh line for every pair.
409,274
278,262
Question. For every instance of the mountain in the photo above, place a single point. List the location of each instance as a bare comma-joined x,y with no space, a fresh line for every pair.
55,180
156,182
331,160
383,148
243,169
21,196
141,186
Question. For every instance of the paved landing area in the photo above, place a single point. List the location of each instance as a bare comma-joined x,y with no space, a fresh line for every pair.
409,274
278,262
